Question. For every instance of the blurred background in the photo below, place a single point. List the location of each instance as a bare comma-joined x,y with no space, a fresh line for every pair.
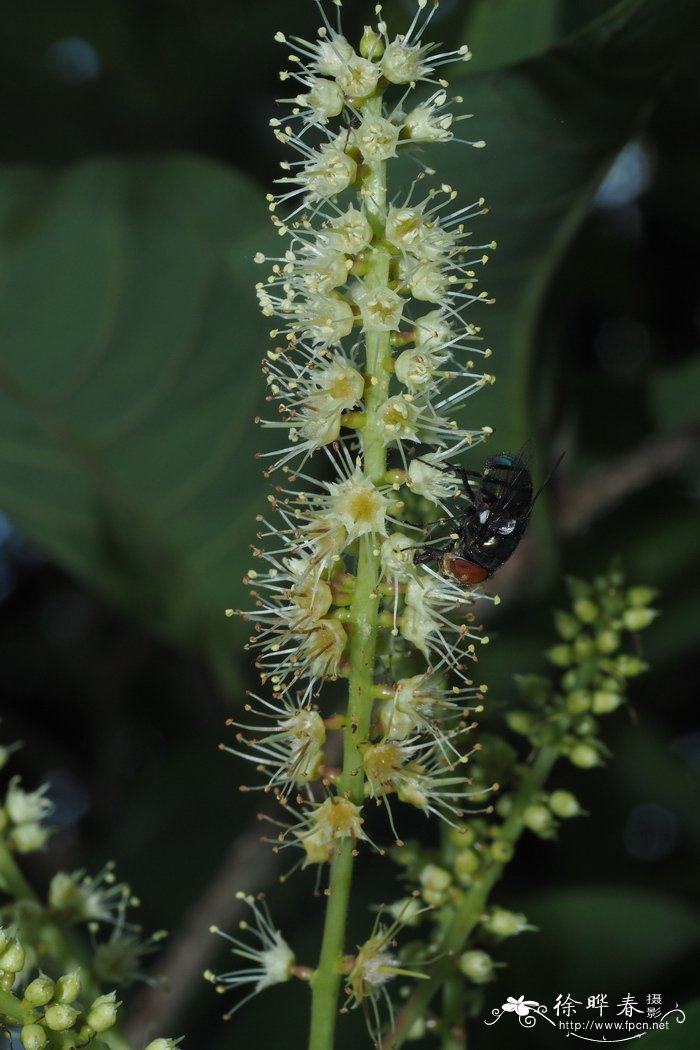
135,159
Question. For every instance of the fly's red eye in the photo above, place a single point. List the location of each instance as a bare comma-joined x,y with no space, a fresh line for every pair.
462,570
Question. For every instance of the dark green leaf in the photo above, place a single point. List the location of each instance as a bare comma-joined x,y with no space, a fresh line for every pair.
129,381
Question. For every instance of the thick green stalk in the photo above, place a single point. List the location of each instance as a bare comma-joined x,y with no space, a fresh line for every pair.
325,984
474,901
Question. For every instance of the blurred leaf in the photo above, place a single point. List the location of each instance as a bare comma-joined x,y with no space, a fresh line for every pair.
129,344
502,32
674,395
679,1036
643,932
552,124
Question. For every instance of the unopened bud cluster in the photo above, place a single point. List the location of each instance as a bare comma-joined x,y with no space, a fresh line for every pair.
596,666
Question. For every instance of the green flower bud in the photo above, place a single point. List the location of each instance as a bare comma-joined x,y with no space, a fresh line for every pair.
164,1044
638,619
608,641
103,1012
584,756
604,701
519,722
504,805
560,655
371,45
33,1037
59,1017
584,647
575,678
504,923
586,610
435,883
563,804
630,666
640,596
538,818
39,991
501,851
477,966
585,725
466,863
67,987
12,959
578,702
566,625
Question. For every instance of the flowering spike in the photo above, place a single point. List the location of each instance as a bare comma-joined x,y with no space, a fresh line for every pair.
373,357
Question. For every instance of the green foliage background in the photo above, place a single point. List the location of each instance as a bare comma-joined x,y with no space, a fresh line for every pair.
131,204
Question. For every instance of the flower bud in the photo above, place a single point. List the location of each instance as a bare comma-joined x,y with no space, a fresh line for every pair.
584,756
566,625
435,883
630,666
502,851
103,1012
586,610
371,44
637,619
59,1017
607,641
164,1044
584,647
67,987
12,959
538,818
477,966
564,805
640,596
578,702
33,1037
560,655
520,722
503,923
39,991
605,701
466,863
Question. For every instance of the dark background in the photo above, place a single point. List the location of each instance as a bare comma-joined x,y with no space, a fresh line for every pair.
121,707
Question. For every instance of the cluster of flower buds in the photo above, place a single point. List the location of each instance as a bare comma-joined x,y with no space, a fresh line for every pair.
595,671
50,1013
50,1010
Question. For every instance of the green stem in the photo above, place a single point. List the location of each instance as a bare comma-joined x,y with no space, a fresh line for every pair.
363,621
12,1010
474,900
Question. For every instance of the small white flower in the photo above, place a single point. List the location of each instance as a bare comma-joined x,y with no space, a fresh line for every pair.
349,232
324,99
27,807
381,308
358,78
377,138
270,959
